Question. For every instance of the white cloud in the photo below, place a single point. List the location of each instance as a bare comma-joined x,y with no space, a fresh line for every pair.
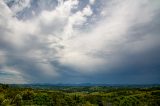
39,40
19,5
87,11
92,1
104,44
59,35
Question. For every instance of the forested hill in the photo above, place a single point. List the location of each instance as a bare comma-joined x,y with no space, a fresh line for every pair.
49,86
52,95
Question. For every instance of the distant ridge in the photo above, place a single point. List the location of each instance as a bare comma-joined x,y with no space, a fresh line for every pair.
46,85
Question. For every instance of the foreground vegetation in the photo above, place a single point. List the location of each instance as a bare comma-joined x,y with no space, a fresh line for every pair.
79,96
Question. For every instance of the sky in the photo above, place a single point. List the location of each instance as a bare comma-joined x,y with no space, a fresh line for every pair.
80,41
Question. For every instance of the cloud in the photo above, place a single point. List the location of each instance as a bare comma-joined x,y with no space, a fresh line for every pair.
64,38
108,39
92,1
18,5
7,74
37,42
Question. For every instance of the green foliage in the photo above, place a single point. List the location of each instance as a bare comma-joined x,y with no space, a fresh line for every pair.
79,96
41,98
88,104
28,95
18,100
5,102
129,101
1,98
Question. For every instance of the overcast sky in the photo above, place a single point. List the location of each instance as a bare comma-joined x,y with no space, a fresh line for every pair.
80,41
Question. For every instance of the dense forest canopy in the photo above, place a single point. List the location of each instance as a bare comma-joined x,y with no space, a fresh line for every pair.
20,95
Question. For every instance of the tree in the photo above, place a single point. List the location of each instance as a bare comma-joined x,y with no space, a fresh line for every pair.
42,99
1,99
18,100
28,95
5,102
87,104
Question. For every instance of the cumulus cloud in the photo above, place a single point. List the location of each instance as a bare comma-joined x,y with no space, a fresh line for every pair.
106,42
63,38
39,40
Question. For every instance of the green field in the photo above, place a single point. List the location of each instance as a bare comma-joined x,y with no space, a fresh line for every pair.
79,96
